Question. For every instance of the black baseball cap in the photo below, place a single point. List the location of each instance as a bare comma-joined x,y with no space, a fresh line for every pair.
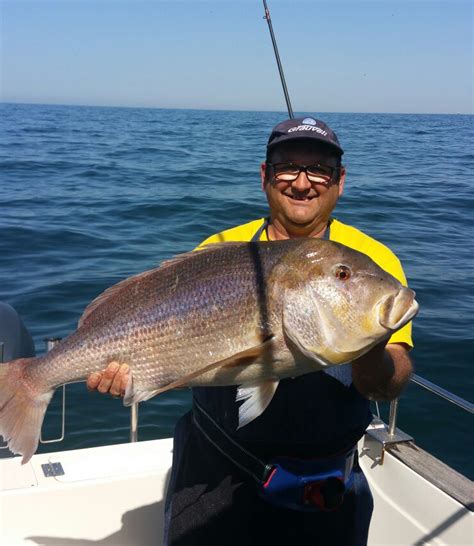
309,128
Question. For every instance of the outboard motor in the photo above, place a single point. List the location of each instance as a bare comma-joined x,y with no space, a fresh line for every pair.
15,342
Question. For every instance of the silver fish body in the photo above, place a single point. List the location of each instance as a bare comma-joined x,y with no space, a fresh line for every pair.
242,314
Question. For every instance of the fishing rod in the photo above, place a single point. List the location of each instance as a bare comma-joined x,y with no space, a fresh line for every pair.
277,56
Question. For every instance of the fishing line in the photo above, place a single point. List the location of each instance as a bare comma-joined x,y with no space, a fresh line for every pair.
277,56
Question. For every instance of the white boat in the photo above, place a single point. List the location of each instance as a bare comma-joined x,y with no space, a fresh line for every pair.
114,495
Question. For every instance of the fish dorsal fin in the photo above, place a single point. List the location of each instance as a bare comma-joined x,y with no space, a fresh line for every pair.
116,288
110,293
240,359
205,249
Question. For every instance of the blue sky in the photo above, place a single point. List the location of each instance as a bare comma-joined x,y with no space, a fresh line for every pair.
338,56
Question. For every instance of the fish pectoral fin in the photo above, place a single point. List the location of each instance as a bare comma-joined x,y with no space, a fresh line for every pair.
240,359
257,396
134,395
249,355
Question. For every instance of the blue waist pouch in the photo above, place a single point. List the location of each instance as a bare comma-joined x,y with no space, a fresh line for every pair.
309,484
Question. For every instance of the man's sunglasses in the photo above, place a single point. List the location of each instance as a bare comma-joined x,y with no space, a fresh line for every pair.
316,174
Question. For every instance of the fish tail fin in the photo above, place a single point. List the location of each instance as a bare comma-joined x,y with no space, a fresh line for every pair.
22,407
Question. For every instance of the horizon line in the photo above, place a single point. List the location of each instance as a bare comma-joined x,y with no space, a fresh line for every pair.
232,109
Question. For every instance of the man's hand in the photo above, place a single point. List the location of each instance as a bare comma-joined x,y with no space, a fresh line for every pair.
382,373
112,380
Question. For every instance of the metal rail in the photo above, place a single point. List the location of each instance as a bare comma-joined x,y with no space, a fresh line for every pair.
50,344
433,388
443,393
134,423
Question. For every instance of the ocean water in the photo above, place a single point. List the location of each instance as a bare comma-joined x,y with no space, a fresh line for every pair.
91,195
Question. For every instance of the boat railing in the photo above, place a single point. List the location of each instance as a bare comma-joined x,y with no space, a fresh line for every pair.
391,431
433,388
50,344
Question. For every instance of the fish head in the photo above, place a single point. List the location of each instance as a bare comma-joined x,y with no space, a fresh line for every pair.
339,303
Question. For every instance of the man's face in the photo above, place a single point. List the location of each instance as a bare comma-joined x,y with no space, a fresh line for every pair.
302,204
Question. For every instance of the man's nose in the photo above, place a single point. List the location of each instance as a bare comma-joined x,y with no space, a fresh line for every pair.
302,183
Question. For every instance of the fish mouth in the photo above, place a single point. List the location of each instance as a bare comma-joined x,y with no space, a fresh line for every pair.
395,311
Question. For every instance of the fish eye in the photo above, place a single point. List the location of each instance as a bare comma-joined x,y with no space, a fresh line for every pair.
342,272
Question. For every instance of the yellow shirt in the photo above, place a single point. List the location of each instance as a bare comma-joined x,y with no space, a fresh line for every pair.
340,233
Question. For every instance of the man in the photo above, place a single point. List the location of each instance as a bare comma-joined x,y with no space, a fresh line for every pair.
215,496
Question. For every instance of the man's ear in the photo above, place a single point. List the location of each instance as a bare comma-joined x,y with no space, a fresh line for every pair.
263,169
342,180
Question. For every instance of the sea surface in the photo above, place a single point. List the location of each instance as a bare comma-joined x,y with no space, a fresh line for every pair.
91,195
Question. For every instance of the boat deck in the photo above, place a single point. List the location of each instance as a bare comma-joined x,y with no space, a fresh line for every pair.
114,495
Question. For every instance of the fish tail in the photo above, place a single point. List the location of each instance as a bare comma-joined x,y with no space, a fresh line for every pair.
22,407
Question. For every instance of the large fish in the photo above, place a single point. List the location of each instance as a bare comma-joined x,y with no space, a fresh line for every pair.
244,314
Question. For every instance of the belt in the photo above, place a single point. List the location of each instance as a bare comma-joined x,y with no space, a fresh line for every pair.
299,484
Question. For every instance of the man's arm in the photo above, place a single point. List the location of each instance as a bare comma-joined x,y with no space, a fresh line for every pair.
382,373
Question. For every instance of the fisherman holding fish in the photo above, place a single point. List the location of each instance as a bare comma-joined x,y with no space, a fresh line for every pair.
285,333
291,475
